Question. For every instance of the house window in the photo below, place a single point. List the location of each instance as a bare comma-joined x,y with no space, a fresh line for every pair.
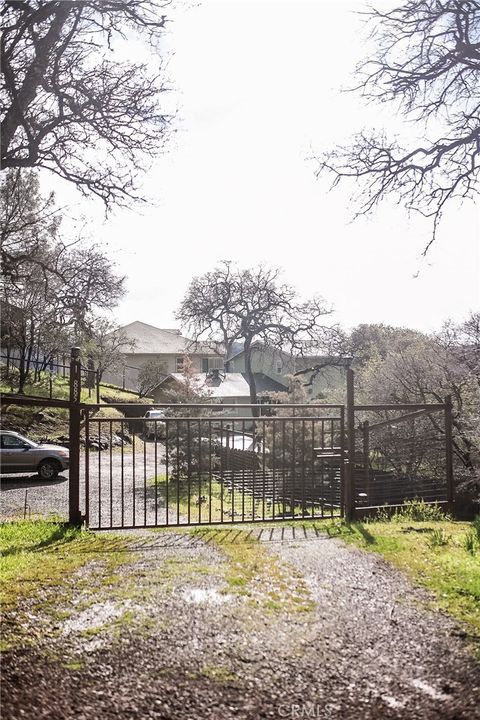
279,367
179,362
212,363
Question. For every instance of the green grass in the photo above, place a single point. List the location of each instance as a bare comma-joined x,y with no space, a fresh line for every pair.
41,554
253,572
215,508
61,390
54,422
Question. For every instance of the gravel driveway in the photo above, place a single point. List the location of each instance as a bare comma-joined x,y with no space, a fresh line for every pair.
124,497
365,645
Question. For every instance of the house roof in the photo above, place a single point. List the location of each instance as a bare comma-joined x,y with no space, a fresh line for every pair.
149,339
230,385
263,383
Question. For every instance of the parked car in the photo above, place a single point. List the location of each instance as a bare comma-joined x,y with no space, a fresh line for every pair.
20,455
154,428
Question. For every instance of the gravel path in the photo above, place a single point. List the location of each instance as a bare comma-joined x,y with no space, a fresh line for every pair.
364,646
125,496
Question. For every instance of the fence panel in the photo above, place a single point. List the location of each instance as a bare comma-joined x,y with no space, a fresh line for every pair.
196,466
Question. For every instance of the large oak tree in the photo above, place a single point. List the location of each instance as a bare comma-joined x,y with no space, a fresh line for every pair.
71,102
426,68
230,305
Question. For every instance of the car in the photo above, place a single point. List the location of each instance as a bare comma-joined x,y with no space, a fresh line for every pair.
20,455
154,428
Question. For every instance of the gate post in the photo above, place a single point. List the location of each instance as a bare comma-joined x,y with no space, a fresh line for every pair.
74,514
449,455
349,494
366,458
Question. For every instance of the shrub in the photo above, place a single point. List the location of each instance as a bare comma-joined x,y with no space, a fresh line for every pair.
438,538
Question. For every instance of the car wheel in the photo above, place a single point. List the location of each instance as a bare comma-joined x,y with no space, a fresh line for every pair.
48,469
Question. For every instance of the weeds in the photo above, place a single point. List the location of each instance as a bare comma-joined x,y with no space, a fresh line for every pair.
438,538
415,510
470,542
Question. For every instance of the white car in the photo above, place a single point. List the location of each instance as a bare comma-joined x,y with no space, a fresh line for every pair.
154,427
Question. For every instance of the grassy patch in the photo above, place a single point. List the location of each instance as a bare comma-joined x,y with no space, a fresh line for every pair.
210,501
256,574
219,673
41,554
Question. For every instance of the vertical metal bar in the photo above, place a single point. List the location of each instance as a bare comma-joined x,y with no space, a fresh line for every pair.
274,450
199,472
232,470
134,509
263,463
74,513
283,466
145,474
254,440
294,462
98,387
221,470
111,473
449,455
99,476
366,457
350,477
303,468
313,484
342,461
87,468
50,383
189,468
243,472
122,471
209,471
167,433
178,472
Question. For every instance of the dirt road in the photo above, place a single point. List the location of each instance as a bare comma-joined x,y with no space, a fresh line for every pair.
298,626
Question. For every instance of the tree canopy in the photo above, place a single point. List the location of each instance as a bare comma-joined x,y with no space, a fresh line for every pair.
230,304
426,67
70,103
53,290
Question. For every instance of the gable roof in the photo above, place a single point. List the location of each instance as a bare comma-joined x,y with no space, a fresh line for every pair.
149,339
264,383
232,385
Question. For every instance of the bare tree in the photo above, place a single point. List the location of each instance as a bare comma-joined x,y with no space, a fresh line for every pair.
104,345
427,67
420,368
229,304
150,375
69,107
28,221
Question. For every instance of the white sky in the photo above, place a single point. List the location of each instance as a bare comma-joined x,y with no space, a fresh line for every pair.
258,90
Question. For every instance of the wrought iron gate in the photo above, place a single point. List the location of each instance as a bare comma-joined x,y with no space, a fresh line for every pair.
206,464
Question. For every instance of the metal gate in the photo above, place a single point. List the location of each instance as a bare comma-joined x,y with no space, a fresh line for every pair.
209,464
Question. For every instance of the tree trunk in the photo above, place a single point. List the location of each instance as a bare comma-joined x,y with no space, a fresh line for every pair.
251,379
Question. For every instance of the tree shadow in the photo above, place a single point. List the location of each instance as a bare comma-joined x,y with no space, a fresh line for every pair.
360,529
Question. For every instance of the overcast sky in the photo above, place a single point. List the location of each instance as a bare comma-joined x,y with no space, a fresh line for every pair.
258,87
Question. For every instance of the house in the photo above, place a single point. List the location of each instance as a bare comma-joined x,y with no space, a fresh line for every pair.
219,388
278,365
165,346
